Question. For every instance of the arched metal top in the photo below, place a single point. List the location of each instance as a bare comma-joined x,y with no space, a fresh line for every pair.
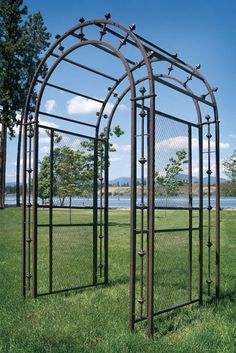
150,53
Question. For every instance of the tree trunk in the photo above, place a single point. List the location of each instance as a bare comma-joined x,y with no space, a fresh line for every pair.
18,188
3,155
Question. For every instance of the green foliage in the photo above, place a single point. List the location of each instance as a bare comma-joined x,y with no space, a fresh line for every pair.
230,167
21,44
73,170
170,182
72,173
228,189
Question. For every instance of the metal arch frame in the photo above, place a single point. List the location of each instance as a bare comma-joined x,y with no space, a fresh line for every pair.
150,53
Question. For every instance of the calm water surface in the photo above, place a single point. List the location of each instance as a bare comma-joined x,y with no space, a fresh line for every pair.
124,201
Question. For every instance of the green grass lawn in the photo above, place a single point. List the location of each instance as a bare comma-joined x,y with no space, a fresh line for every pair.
96,319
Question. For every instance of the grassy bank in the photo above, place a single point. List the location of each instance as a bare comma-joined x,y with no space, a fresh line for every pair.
95,320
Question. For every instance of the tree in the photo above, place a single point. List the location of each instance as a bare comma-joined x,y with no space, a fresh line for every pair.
73,170
169,182
228,189
36,41
72,174
20,46
230,167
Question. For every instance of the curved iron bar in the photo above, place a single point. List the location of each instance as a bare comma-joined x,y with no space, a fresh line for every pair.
123,94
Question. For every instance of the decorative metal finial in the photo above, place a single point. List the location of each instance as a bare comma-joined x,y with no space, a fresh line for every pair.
61,48
214,89
57,36
170,68
142,90
81,19
189,78
107,15
132,27
198,66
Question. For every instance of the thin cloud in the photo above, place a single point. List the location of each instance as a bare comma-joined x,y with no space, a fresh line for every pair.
113,159
181,142
81,105
122,148
50,105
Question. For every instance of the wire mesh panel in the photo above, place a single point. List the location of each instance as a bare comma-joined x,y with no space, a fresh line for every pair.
176,252
171,163
67,234
72,257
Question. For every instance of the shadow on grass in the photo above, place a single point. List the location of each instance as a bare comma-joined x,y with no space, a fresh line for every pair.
118,224
67,292
225,298
180,318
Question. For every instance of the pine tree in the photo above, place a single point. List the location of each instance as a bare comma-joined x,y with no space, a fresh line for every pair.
21,43
34,41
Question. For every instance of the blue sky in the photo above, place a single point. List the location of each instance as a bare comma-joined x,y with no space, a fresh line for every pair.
200,32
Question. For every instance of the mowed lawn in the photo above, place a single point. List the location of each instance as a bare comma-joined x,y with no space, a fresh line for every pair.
96,319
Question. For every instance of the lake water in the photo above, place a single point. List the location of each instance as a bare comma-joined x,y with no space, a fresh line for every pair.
124,201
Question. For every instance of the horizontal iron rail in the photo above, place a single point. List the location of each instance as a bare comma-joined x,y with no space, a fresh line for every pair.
169,208
211,122
175,307
105,49
111,53
171,59
70,207
55,116
66,132
72,92
181,90
75,63
118,35
175,61
175,230
66,225
143,97
166,230
168,309
70,289
171,117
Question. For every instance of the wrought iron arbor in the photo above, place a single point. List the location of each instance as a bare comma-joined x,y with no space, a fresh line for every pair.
145,68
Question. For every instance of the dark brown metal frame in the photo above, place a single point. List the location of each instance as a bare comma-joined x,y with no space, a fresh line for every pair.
142,107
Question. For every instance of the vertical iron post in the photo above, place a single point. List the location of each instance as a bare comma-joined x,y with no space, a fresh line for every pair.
30,136
51,210
133,216
217,145
95,208
190,193
200,285
209,207
151,212
101,233
35,211
142,161
24,213
106,201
